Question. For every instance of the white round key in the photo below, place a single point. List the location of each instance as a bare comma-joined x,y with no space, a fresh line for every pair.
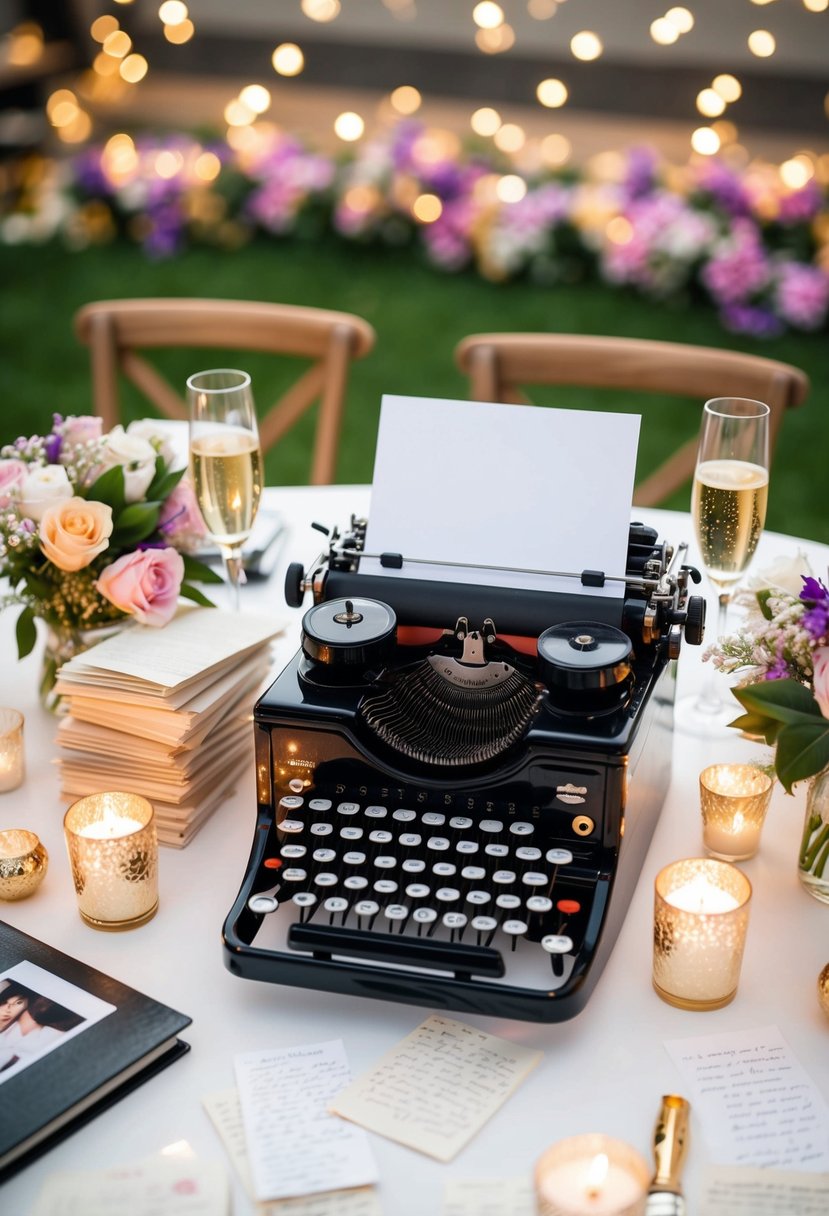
467,846
539,903
380,836
304,899
324,856
294,874
396,912
514,927
528,852
534,878
484,924
454,920
354,858
508,902
491,825
447,895
424,916
503,877
326,880
291,826
473,873
319,804
355,882
409,840
376,812
417,890
433,819
321,829
366,907
348,808
292,851
559,857
521,829
262,903
403,816
479,898
335,903
438,843
413,865
291,803
444,869
385,886
557,943
350,833
462,823
497,850
385,861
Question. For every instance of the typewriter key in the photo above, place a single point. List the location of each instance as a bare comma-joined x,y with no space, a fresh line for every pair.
534,878
491,825
447,895
521,829
414,865
366,907
438,843
504,877
289,851
539,903
355,882
557,943
321,829
294,874
348,808
291,827
386,862
473,873
319,804
424,916
409,840
462,823
444,869
378,836
559,857
396,912
324,856
291,803
262,904
376,812
417,890
514,929
508,902
351,833
326,879
334,904
479,899
467,846
385,886
404,816
528,852
433,819
303,900
496,850
354,858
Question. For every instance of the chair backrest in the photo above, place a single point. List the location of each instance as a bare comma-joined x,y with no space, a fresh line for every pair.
116,330
497,364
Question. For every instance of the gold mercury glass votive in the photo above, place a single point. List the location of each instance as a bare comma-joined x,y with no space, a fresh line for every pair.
12,756
700,921
23,863
591,1175
823,989
113,849
734,799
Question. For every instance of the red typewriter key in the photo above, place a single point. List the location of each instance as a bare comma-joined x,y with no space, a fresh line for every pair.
272,863
570,906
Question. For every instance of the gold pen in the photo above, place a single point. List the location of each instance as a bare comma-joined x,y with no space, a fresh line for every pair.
670,1143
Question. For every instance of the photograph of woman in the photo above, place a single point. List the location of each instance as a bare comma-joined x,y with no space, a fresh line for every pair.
31,1024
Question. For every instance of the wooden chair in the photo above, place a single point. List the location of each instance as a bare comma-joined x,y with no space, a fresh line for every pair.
497,364
115,330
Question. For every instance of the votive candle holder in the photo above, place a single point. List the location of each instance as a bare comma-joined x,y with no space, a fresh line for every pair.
113,850
701,910
12,755
734,799
591,1175
23,863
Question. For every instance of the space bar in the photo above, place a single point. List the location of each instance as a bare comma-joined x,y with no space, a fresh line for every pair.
325,940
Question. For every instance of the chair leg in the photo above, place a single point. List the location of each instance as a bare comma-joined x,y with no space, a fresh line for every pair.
329,423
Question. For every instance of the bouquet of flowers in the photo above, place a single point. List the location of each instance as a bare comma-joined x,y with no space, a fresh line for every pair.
782,653
96,529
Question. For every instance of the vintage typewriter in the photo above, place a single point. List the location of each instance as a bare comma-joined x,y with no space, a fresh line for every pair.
457,783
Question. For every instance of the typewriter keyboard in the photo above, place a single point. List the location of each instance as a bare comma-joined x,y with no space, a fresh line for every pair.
421,888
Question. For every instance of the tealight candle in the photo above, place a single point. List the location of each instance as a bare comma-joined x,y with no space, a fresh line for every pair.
591,1175
700,922
23,863
12,757
113,850
734,800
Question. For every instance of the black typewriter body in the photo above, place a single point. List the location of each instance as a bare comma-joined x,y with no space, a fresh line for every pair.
395,858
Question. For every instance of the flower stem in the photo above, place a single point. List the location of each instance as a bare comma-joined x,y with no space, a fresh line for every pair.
815,847
811,826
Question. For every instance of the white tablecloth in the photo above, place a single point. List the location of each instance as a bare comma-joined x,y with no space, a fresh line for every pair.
602,1071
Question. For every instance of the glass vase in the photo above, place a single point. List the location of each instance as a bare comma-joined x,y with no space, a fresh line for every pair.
813,862
62,645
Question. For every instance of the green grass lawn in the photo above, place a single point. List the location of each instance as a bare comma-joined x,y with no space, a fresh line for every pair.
419,314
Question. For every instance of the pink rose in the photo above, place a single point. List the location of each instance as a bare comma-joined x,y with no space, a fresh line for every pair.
74,531
144,584
12,475
180,520
821,679
80,428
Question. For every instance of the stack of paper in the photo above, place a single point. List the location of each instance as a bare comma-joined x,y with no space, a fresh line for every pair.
166,713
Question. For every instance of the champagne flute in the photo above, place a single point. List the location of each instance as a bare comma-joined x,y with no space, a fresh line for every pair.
728,507
225,462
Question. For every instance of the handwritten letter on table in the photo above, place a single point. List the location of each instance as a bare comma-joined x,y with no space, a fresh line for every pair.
435,1089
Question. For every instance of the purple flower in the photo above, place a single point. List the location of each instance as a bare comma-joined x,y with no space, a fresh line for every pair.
813,589
816,621
802,295
724,187
751,319
640,177
739,268
54,442
779,669
801,206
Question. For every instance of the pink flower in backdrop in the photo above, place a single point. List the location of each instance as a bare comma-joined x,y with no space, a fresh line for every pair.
12,475
180,520
144,584
803,295
821,679
81,428
740,267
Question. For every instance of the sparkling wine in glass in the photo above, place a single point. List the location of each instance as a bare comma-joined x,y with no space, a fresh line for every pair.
728,507
225,462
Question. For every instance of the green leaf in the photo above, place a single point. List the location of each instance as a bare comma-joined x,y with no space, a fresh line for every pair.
783,700
26,633
756,724
109,489
193,593
200,571
802,751
163,483
135,523
38,587
763,604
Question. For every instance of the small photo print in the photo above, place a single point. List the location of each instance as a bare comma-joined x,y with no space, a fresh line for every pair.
39,1012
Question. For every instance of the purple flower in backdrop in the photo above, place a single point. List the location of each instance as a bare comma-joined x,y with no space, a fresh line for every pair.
801,206
724,186
802,295
54,442
89,174
813,589
751,319
640,174
816,618
740,266
779,669
448,241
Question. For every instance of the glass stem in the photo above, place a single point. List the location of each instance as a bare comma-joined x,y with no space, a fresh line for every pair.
235,574
709,700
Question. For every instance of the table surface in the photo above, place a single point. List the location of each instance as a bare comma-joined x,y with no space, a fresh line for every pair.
604,1070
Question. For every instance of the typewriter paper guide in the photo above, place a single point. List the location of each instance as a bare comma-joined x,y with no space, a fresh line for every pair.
502,486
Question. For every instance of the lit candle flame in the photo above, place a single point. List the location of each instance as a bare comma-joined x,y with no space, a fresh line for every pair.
596,1175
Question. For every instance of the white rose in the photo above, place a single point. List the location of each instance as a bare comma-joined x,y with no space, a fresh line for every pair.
156,434
45,485
135,455
782,574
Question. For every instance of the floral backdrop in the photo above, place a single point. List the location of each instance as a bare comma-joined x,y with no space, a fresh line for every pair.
742,240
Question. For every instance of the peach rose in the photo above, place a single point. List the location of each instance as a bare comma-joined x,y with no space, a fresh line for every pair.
73,532
144,584
821,679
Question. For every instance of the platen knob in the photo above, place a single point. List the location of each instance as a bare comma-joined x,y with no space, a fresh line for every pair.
350,633
294,589
695,620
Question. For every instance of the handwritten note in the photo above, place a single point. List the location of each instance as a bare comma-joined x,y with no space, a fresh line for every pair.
731,1190
295,1146
435,1089
489,1197
159,1186
225,1112
756,1104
